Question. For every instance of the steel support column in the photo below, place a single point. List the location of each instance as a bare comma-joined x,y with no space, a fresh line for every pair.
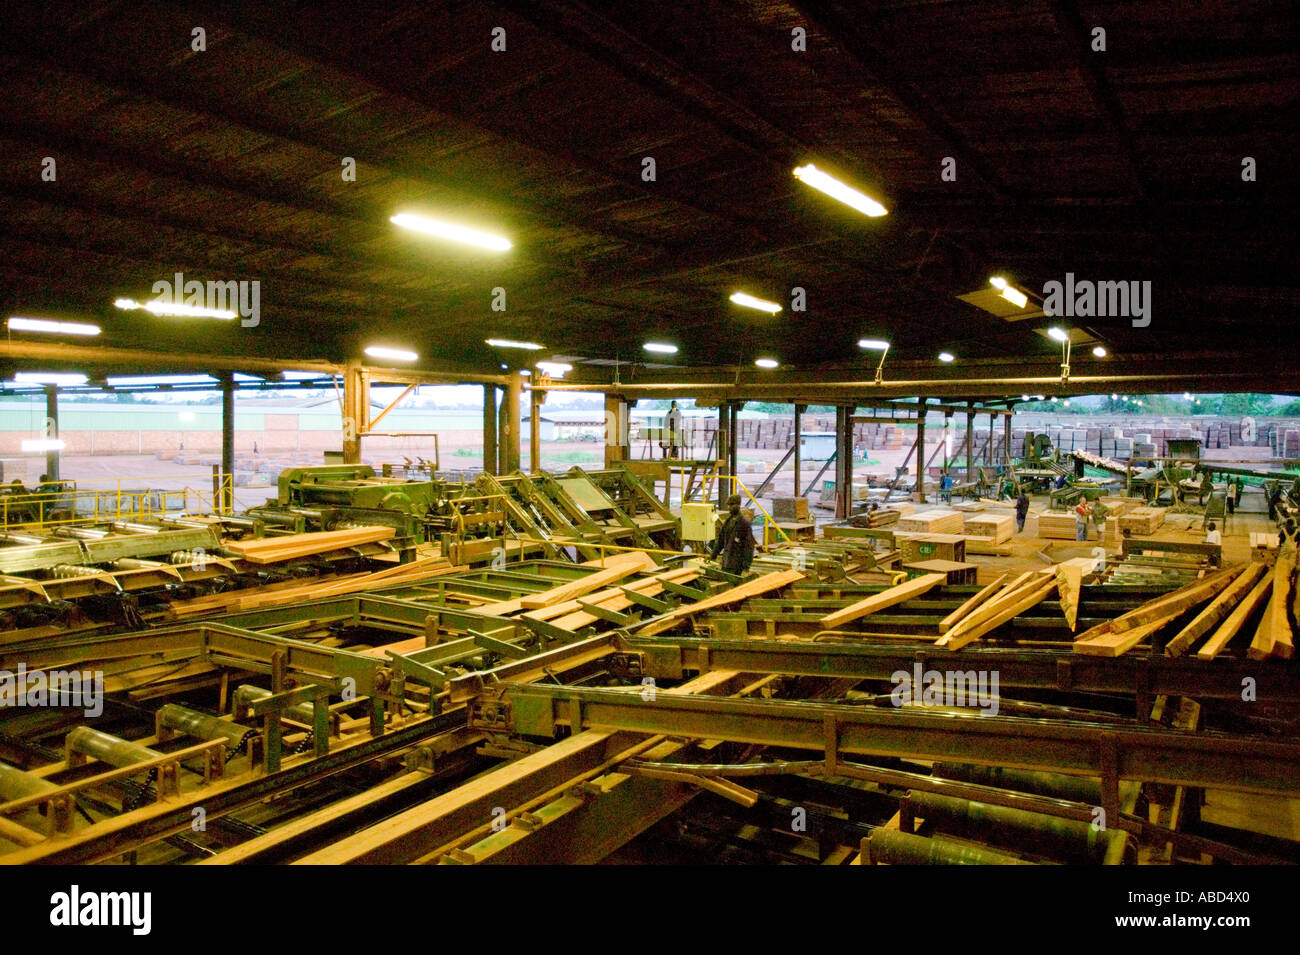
509,427
227,502
798,451
1006,438
843,462
723,451
970,444
490,429
52,431
920,454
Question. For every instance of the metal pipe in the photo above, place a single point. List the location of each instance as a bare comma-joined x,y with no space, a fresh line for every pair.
1067,840
246,694
16,784
108,748
901,848
1056,785
203,726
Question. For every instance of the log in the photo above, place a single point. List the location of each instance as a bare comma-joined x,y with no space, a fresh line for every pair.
1184,598
1028,596
1217,610
886,598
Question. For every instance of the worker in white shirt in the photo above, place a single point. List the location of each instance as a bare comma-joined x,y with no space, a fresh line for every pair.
1212,535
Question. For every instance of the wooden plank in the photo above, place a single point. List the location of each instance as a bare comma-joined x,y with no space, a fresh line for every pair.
886,598
1069,583
1264,645
1217,610
947,622
1279,624
761,585
271,549
1228,629
1184,598
625,567
1028,596
1117,644
1013,591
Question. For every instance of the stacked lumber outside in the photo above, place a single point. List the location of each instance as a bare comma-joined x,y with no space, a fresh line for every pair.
270,550
997,528
937,521
886,598
1061,525
1142,520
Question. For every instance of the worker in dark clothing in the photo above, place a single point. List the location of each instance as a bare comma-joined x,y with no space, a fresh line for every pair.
735,540
1022,510
1274,498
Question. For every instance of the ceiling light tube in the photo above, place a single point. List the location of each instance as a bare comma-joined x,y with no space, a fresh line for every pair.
49,378
660,348
946,357
812,176
1058,334
768,363
175,309
18,324
393,354
507,343
749,301
451,231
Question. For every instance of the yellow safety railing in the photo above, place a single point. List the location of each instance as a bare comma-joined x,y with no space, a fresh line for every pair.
768,521
75,503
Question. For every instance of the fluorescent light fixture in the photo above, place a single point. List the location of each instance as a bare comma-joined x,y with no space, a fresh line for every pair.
1038,397
17,324
998,282
49,378
303,375
1099,351
660,348
946,356
767,363
393,354
447,230
1065,403
161,380
1016,297
555,369
812,176
507,343
1059,334
1114,397
749,301
175,309
1024,397
42,444
525,372
874,344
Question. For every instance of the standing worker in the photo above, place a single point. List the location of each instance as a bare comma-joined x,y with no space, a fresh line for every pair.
1099,514
673,427
735,540
1022,510
1081,514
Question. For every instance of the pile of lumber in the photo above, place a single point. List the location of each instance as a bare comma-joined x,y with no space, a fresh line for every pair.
608,570
993,527
1060,525
993,606
271,550
907,590
1231,597
1141,521
937,521
298,591
753,588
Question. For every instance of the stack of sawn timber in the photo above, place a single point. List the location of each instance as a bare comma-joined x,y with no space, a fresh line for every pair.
271,550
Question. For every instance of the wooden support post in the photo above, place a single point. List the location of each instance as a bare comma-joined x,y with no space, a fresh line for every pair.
616,430
508,432
843,462
1006,439
356,402
490,429
535,430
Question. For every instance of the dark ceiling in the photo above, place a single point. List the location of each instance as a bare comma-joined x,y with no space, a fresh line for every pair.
225,164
